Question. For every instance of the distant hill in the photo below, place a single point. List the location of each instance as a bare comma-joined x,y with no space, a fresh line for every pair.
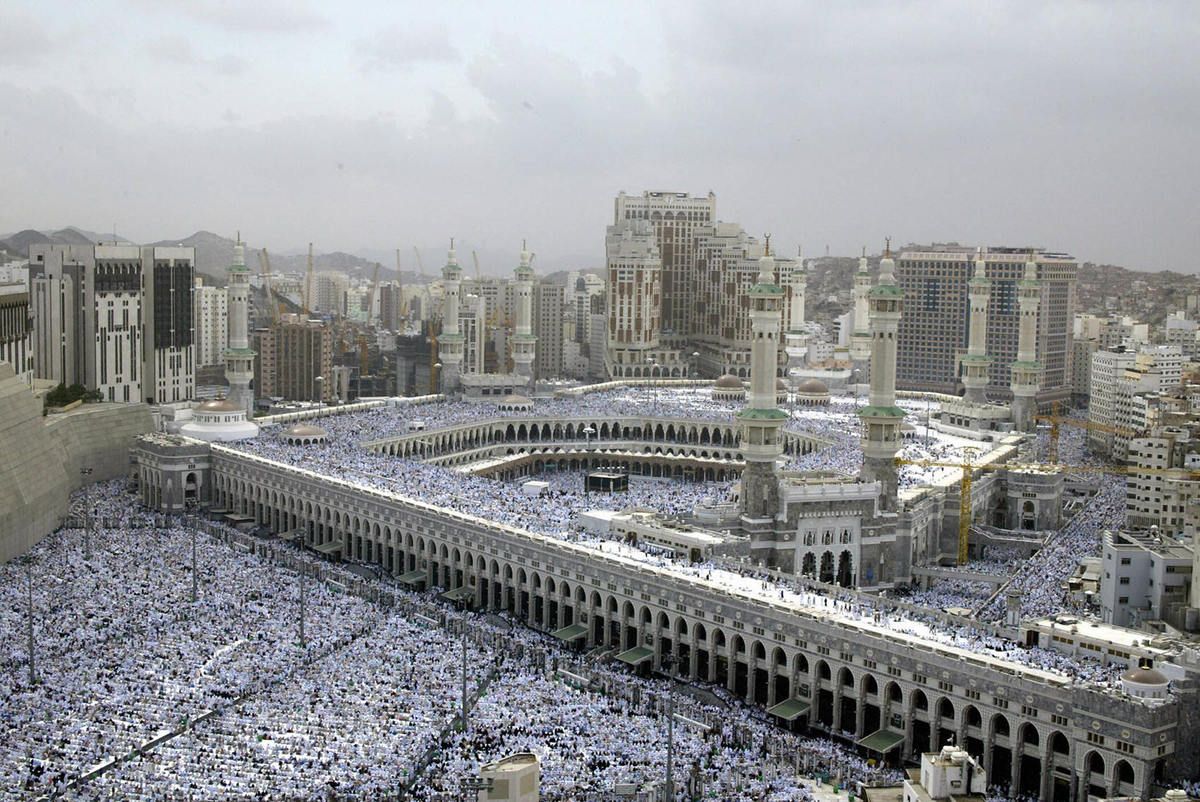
18,244
72,236
214,253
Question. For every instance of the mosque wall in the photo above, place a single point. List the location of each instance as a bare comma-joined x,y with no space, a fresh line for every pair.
41,458
1044,731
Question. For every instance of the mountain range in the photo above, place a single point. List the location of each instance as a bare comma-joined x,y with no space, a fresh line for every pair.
214,253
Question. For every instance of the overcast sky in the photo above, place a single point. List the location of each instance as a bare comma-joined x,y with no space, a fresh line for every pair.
1073,126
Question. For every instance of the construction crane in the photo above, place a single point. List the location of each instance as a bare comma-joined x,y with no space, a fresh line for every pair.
967,466
374,294
364,354
1056,420
308,276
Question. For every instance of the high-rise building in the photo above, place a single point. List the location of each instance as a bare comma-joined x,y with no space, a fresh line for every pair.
727,267
548,311
1108,367
678,284
391,306
1124,384
328,293
472,323
634,297
291,356
675,218
115,318
1081,368
935,328
1180,330
585,287
16,330
210,307
597,344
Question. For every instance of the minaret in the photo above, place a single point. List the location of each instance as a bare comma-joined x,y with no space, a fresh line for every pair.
523,342
860,337
239,357
799,288
450,341
796,341
975,363
1027,371
881,419
761,421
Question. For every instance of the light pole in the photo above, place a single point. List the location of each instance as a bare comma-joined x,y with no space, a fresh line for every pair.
320,380
668,662
29,616
588,434
652,362
464,666
303,566
695,364
928,401
87,513
190,506
437,377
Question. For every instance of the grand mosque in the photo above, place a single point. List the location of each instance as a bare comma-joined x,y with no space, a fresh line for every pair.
762,531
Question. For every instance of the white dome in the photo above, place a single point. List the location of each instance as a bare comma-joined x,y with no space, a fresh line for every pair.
218,405
305,430
1145,676
219,420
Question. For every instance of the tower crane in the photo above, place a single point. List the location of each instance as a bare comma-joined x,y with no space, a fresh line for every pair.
968,467
364,354
1056,420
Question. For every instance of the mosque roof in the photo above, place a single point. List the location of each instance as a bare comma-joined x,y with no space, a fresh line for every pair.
812,387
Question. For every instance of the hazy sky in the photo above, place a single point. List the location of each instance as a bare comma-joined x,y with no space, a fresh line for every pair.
1074,126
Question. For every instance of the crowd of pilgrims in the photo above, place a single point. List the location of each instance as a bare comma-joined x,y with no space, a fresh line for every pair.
1041,579
123,655
837,424
364,707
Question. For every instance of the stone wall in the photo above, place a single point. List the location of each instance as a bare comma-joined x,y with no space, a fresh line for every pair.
40,458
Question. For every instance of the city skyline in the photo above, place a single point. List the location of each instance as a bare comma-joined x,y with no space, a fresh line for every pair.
874,119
